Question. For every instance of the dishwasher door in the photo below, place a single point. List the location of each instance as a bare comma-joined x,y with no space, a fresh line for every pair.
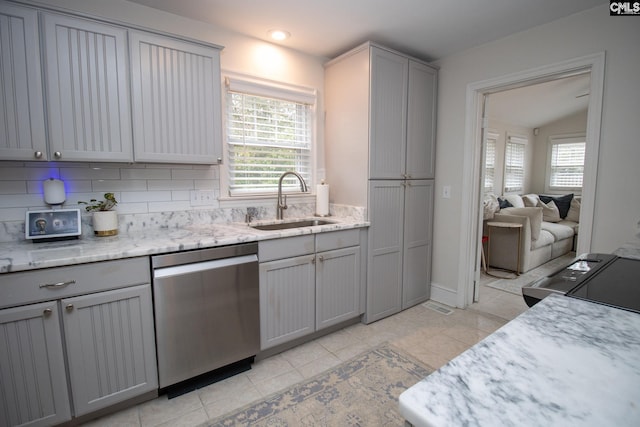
207,312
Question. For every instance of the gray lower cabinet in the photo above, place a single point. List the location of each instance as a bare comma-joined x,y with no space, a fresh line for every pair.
33,384
95,331
308,283
399,263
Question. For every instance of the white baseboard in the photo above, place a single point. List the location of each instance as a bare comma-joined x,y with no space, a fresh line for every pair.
443,295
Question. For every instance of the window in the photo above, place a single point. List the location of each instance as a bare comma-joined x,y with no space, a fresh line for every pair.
490,162
514,164
566,162
269,130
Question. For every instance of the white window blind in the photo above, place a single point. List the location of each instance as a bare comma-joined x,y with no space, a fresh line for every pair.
490,162
514,164
269,131
566,163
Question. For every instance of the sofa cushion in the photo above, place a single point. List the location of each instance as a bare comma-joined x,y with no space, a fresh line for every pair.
559,231
535,218
515,200
572,224
550,211
574,211
545,239
562,202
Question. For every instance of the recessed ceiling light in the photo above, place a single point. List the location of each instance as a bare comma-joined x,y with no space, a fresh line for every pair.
279,35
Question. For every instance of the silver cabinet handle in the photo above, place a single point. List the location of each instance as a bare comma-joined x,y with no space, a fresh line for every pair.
69,307
58,285
321,258
37,154
47,312
57,155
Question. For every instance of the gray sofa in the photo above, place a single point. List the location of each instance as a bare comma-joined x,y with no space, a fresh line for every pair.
546,232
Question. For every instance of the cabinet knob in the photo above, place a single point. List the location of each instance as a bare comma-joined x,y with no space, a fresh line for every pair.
47,312
69,307
57,155
219,160
321,258
38,154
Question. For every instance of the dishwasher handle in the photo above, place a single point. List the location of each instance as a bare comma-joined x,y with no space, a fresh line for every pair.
202,266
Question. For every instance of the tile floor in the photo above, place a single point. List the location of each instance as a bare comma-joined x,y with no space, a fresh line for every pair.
428,335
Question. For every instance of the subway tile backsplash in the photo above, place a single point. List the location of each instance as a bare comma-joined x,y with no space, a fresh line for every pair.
149,195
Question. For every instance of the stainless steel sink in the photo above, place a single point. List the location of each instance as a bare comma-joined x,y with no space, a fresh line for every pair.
291,224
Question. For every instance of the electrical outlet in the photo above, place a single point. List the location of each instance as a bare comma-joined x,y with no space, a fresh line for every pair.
446,191
202,197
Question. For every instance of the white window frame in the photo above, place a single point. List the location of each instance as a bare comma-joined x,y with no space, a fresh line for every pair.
269,89
491,143
514,140
559,140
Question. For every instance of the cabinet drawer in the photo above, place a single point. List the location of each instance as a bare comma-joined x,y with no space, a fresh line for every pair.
30,286
337,240
269,250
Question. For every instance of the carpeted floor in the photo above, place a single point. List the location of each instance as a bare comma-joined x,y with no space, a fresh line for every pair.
515,285
361,392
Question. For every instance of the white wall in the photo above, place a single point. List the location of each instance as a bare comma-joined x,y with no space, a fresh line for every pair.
617,203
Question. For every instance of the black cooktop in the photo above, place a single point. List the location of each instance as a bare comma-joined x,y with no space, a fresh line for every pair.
616,284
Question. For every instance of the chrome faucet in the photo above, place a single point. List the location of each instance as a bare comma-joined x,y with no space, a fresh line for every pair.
282,204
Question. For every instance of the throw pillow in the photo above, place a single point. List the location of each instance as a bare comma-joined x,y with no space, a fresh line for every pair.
574,211
535,219
562,202
504,203
530,200
550,211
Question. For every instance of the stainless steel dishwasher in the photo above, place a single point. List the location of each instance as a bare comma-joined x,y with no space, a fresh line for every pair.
207,310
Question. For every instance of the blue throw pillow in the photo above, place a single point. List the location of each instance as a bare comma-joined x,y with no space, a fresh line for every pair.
504,203
562,202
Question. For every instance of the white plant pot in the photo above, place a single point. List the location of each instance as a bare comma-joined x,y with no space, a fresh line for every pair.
105,223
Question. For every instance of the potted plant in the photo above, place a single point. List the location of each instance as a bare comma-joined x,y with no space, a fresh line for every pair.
105,218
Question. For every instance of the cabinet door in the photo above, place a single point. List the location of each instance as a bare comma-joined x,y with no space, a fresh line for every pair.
287,300
33,384
418,220
87,90
388,114
176,100
421,123
22,134
337,286
384,264
110,347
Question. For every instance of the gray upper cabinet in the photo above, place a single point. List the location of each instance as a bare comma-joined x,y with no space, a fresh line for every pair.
176,100
388,110
421,122
86,75
22,127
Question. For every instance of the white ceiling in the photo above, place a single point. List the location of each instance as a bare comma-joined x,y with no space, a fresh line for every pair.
427,29
537,105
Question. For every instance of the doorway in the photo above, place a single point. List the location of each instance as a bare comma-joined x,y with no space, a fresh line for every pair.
471,220
532,114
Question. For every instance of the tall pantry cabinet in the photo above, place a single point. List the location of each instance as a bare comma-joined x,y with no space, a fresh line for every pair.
379,152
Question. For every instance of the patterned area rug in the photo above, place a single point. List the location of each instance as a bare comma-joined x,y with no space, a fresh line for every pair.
515,285
361,392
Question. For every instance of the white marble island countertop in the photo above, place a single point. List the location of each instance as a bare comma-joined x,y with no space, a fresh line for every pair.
564,362
25,255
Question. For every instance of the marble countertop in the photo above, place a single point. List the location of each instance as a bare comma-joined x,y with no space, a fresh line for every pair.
563,362
26,255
